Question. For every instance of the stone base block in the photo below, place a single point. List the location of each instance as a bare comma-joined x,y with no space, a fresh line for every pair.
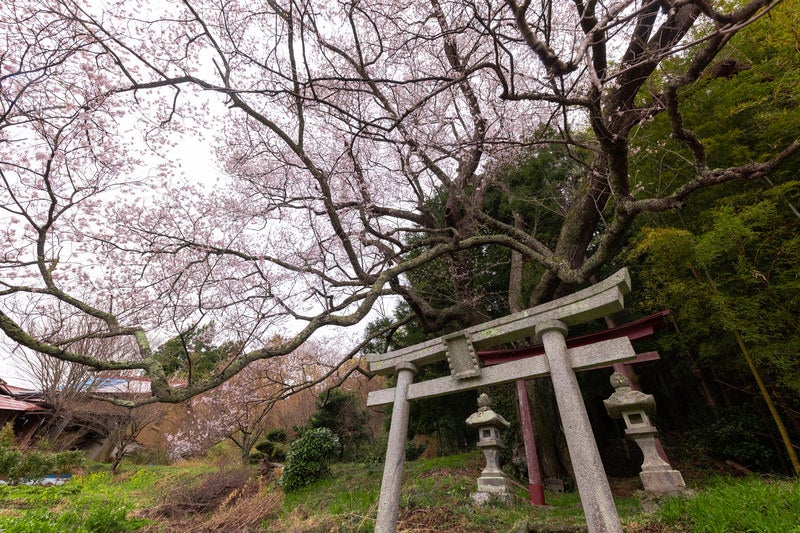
662,481
480,499
494,484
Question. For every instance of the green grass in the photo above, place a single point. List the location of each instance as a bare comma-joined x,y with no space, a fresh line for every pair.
751,504
91,502
88,503
435,496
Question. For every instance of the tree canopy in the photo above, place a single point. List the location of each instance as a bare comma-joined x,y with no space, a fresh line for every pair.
355,143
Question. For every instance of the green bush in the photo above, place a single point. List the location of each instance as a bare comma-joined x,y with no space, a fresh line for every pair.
413,450
343,413
17,465
7,436
273,448
272,451
66,462
739,434
277,435
309,458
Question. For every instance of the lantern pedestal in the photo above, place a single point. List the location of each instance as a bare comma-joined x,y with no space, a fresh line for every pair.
492,483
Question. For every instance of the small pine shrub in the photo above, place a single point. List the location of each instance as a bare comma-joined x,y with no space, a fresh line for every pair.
66,462
413,450
272,451
277,435
309,458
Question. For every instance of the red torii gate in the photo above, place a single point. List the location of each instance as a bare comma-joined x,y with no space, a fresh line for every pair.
637,329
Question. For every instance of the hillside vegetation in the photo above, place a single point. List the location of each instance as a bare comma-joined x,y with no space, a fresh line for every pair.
211,495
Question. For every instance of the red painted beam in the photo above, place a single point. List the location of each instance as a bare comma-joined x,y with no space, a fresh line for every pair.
636,329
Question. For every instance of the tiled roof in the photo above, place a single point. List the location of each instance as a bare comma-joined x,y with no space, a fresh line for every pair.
10,404
17,390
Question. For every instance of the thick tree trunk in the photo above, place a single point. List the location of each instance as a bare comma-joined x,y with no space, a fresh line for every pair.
550,441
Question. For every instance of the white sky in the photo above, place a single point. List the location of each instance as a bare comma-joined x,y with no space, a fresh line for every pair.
9,371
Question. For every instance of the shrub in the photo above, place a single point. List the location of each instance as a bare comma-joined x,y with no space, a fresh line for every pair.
343,413
739,434
414,450
273,448
272,451
65,462
277,435
309,458
16,465
7,436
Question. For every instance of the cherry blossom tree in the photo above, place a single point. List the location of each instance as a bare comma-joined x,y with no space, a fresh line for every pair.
241,409
356,142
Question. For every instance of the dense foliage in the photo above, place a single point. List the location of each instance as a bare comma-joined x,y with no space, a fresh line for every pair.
309,458
343,413
727,264
18,465
192,355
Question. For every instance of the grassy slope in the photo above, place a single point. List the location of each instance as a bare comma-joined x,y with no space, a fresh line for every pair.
435,498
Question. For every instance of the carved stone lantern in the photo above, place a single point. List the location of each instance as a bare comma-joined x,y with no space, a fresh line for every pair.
489,424
636,408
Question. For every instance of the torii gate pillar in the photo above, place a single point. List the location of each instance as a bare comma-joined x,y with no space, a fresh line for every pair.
596,499
389,503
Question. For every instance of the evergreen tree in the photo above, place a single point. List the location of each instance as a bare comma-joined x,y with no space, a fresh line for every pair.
342,413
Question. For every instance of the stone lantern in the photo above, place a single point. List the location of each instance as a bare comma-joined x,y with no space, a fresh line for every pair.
636,408
489,424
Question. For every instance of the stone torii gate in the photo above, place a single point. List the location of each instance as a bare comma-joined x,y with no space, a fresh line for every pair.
548,323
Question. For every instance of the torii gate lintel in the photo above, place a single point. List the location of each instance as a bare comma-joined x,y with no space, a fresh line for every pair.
597,301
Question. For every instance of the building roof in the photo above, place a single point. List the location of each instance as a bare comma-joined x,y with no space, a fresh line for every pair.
12,389
120,385
10,404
